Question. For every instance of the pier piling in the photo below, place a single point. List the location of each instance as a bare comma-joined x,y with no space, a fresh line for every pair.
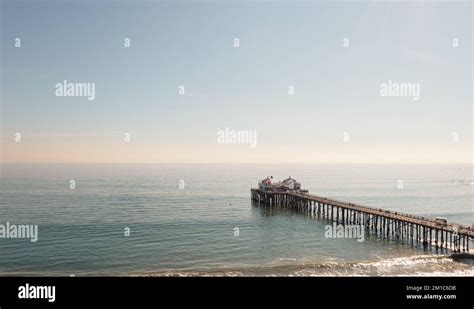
383,223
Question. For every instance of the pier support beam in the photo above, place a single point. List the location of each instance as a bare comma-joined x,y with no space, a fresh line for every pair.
390,225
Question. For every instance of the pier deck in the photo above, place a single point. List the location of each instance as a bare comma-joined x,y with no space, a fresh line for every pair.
384,222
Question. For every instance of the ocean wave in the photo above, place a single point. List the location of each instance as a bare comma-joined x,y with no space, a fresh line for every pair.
419,265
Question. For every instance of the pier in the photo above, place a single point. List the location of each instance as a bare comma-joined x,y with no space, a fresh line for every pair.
382,223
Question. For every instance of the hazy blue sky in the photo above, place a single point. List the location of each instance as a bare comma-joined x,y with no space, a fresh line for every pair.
282,43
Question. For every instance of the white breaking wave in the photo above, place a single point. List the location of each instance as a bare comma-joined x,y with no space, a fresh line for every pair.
419,265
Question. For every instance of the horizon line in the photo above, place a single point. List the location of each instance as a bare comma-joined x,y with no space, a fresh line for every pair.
244,163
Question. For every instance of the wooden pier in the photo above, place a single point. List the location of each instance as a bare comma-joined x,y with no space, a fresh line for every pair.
383,223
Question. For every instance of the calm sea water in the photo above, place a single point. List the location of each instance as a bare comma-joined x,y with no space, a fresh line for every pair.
190,231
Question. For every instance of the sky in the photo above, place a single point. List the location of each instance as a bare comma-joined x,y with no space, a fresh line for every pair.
335,55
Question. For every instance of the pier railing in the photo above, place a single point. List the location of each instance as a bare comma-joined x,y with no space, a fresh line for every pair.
386,223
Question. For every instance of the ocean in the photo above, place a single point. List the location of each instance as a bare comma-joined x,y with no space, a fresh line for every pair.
199,220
